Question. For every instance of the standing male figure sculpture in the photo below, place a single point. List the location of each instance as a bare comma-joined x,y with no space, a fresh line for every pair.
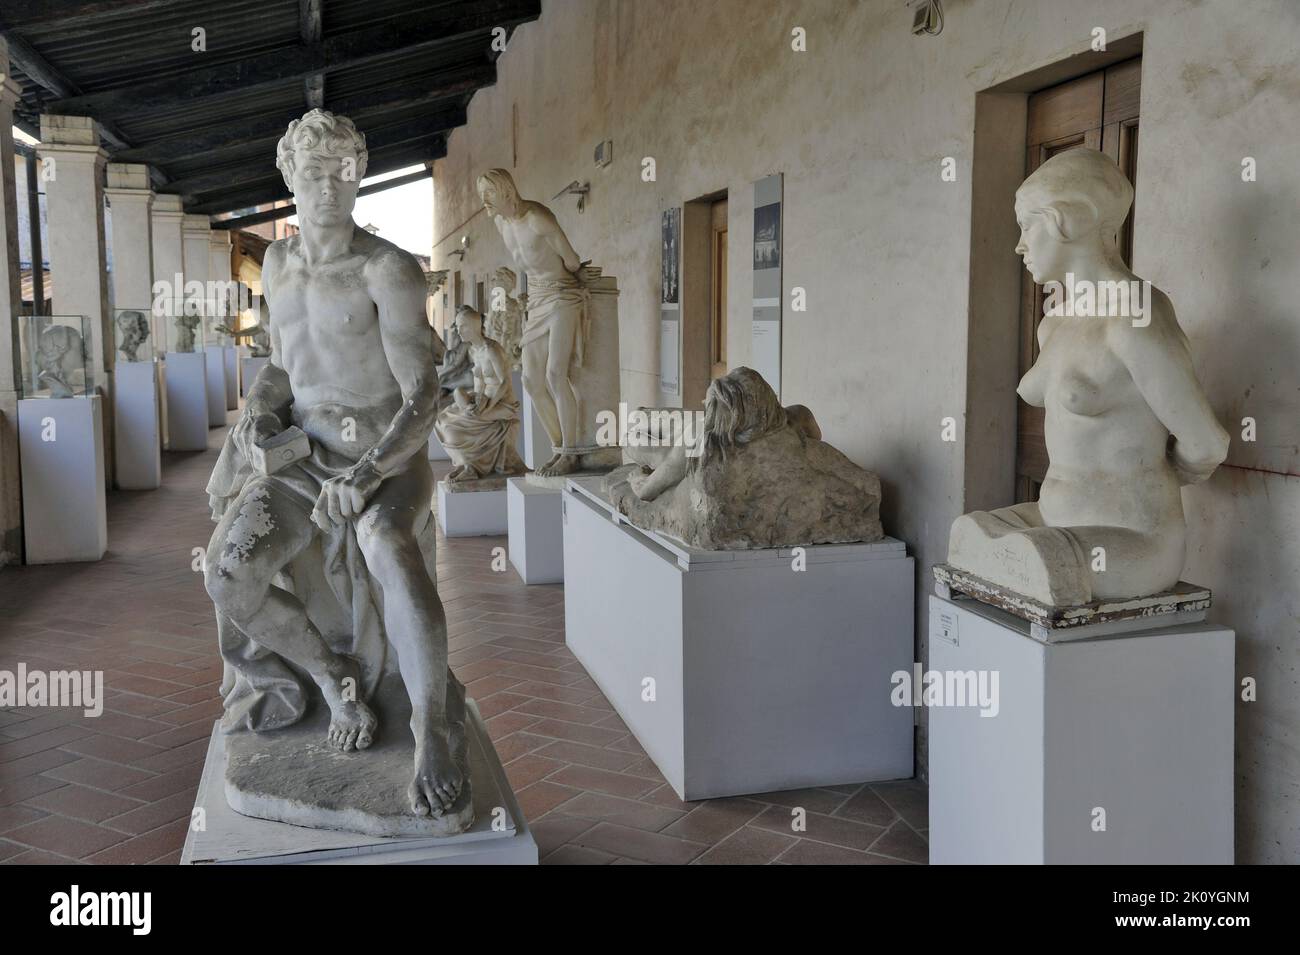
352,370
558,309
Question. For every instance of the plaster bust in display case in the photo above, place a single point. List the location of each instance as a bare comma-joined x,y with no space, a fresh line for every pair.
133,332
60,354
1127,423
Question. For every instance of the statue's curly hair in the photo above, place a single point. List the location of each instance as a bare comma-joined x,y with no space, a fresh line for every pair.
738,408
322,130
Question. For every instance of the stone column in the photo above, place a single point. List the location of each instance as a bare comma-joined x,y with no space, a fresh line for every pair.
168,261
198,272
131,200
74,197
11,505
219,271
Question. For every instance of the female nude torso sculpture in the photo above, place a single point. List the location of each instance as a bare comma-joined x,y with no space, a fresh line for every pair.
1127,423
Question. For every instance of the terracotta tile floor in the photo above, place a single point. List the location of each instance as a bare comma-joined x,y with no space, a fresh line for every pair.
119,788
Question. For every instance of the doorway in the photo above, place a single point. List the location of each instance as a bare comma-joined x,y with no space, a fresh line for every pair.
1098,111
703,296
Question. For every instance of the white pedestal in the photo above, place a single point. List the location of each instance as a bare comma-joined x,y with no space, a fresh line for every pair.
216,361
232,377
436,451
1139,726
187,401
231,839
536,527
537,448
248,370
765,678
61,443
471,513
138,440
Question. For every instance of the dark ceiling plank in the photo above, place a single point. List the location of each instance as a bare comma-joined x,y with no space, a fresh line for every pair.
270,215
414,32
378,142
43,74
227,136
30,13
273,190
309,31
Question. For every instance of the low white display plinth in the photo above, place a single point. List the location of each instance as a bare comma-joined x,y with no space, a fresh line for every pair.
61,446
1111,750
536,445
227,838
232,377
764,677
536,531
138,439
216,360
472,513
187,401
436,450
248,369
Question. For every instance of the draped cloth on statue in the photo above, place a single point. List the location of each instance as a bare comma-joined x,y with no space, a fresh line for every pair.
549,300
484,440
263,691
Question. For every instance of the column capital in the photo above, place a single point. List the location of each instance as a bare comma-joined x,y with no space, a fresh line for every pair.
166,204
127,177
219,238
194,224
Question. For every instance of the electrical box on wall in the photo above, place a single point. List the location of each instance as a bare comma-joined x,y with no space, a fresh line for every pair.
604,154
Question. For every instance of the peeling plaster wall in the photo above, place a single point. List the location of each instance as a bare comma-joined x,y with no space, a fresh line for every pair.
858,125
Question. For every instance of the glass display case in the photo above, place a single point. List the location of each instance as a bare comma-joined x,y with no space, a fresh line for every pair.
55,353
133,334
187,329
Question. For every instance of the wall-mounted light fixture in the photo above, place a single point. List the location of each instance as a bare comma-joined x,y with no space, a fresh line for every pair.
927,17
464,247
575,188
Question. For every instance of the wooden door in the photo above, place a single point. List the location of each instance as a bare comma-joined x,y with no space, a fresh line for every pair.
718,289
1098,111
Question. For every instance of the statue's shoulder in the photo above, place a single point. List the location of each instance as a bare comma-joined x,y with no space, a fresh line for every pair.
280,250
536,214
387,262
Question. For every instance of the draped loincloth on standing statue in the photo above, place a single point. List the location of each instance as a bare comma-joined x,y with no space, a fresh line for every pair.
547,301
261,690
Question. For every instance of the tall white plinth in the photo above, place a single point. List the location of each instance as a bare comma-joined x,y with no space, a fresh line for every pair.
1111,750
499,834
231,376
764,677
61,442
536,528
466,513
537,448
216,361
249,367
187,401
139,444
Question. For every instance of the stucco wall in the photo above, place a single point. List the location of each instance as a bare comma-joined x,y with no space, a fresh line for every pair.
859,124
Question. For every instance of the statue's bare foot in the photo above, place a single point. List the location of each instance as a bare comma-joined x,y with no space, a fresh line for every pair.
560,464
438,778
462,473
548,463
352,723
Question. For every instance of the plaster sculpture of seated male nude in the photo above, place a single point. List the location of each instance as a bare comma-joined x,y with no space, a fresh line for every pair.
352,370
1127,423
757,476
479,427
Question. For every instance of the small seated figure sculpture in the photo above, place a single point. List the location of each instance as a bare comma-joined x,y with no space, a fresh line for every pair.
1126,420
186,326
60,352
480,426
134,327
455,370
757,476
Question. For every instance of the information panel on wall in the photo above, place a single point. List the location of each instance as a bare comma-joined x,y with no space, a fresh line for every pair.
670,313
766,327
